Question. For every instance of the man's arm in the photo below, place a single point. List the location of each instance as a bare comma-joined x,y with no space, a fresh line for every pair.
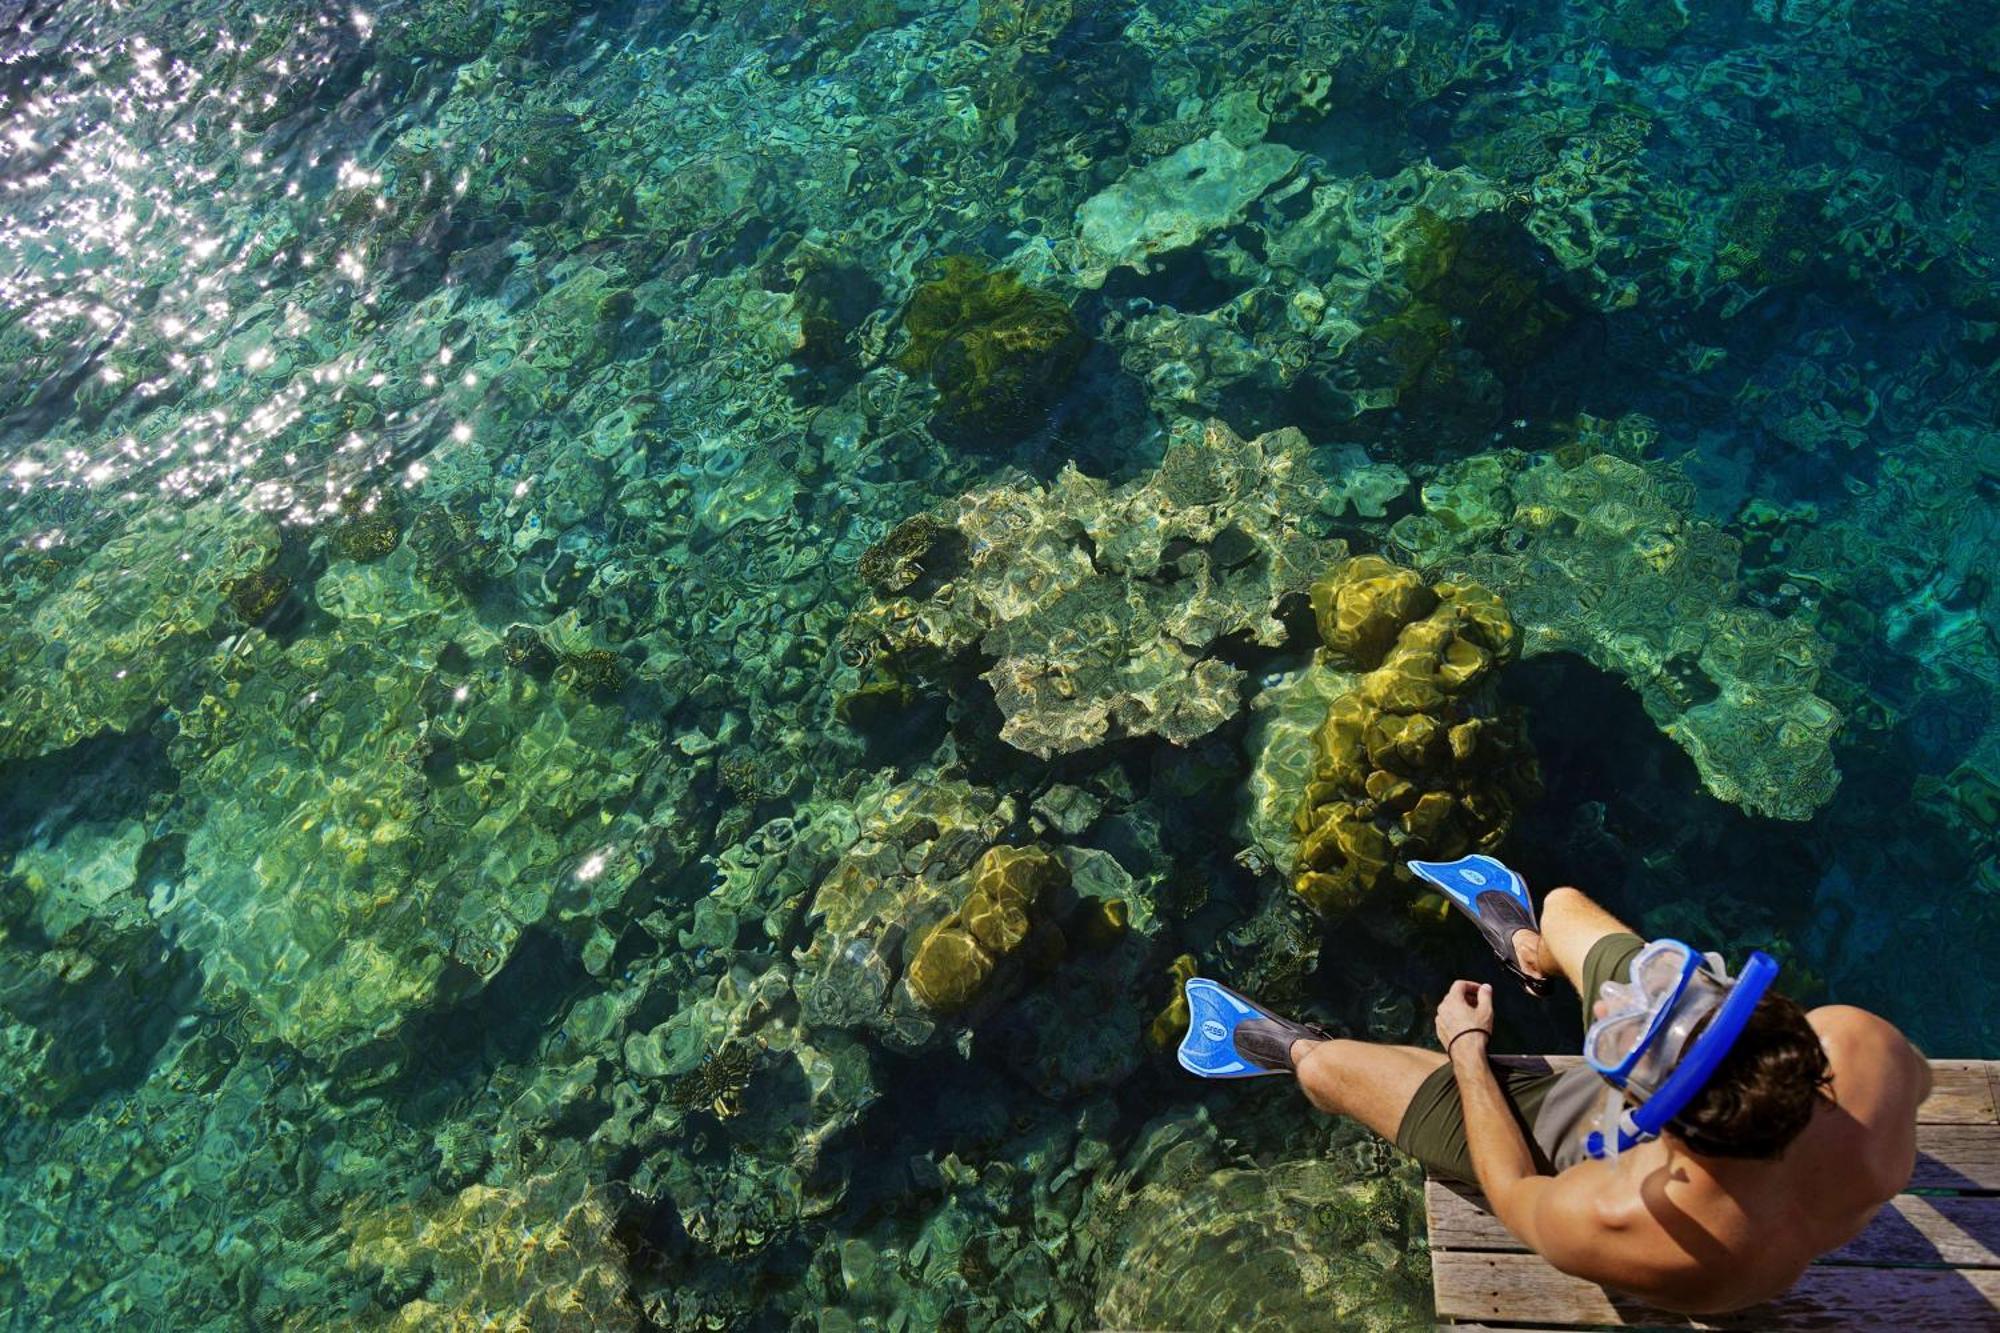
1500,1154
1555,1217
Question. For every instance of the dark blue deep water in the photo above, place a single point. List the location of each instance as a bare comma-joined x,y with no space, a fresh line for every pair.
545,544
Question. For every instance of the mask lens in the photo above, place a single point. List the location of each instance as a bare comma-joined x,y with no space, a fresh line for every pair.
1656,971
1611,1040
1619,998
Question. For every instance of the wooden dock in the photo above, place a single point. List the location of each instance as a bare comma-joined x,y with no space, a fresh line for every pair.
1929,1260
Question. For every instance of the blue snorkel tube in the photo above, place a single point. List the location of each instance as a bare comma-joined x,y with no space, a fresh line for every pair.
1692,1073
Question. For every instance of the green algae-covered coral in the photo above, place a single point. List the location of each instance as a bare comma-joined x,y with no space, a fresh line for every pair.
997,350
364,537
1597,555
596,672
1413,760
256,595
956,960
1480,310
715,1085
1103,608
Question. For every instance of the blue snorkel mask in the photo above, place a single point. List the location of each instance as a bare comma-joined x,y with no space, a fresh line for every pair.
1646,1045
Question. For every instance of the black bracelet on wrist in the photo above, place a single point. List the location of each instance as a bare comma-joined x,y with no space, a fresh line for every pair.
1467,1033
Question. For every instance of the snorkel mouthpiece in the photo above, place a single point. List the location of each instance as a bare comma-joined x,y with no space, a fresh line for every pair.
1692,1067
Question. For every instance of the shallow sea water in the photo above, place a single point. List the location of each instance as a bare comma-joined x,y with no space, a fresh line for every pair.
498,772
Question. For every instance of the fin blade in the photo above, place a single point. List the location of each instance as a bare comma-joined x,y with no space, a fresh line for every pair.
1209,1048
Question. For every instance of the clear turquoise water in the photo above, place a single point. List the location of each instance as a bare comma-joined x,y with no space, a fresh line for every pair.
470,803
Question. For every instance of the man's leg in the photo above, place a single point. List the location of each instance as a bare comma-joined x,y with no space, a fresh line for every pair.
1580,942
1408,1096
1370,1082
1377,1084
1571,925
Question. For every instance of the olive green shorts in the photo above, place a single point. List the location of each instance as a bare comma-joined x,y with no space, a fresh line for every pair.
1433,1128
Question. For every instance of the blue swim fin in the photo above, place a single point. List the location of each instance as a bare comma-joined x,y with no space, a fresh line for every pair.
1495,897
1231,1036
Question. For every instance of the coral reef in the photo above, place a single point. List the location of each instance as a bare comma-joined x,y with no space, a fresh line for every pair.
1103,606
410,818
1413,760
1003,913
1598,557
1279,1246
132,628
929,922
537,1254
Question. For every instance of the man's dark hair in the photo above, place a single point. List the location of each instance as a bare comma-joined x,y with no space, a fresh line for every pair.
1765,1090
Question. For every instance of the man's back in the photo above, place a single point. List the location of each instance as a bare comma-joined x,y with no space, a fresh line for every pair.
1700,1234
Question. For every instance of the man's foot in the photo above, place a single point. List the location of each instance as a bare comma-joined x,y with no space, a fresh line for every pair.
1273,1043
1527,944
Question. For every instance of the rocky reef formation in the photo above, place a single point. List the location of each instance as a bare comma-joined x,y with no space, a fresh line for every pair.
130,626
411,808
996,350
1103,607
536,1254
1598,555
1413,759
1196,1235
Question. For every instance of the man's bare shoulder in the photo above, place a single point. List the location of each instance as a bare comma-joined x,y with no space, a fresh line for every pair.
1589,1207
1849,1022
1879,1081
1871,1058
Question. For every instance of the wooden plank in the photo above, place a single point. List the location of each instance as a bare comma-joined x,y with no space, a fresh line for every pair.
1457,1219
1957,1157
1961,1094
1521,1288
1960,1230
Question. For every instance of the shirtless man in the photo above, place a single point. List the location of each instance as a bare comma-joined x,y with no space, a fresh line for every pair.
1804,1130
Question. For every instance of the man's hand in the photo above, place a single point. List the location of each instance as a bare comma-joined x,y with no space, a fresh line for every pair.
1466,1007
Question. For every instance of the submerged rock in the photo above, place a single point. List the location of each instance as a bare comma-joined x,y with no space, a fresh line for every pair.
1175,201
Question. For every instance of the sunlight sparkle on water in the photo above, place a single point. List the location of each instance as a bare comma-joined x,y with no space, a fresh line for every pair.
146,226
